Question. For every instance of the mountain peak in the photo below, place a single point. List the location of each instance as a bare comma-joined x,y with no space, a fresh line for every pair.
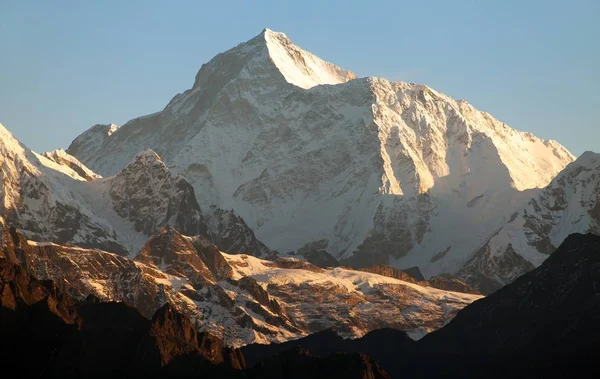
62,158
148,155
256,57
588,159
107,129
3,130
269,32
299,67
249,136
144,160
159,197
91,139
8,141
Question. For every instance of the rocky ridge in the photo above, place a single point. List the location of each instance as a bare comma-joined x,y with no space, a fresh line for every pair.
238,298
445,282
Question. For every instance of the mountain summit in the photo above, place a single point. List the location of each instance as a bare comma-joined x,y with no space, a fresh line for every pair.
300,67
311,157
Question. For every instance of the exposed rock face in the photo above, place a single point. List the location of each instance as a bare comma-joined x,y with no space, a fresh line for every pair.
292,263
450,283
488,272
238,310
321,258
147,194
176,255
212,257
445,282
568,205
259,294
385,173
175,336
415,273
231,233
316,254
391,272
350,302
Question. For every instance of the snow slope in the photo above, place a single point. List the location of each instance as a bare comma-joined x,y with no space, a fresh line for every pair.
569,204
351,302
67,164
300,67
370,170
36,196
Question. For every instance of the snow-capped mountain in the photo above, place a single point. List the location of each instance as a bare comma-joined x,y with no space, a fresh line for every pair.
569,204
238,297
54,197
367,170
36,196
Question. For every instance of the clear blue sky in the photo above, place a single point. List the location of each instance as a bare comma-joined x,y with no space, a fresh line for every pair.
66,65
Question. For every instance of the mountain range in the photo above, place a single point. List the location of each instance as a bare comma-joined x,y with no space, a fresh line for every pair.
239,298
314,159
282,200
545,324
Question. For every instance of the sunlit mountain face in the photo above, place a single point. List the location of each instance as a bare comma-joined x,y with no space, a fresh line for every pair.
284,218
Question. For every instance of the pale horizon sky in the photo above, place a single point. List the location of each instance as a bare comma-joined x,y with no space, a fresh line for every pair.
67,65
